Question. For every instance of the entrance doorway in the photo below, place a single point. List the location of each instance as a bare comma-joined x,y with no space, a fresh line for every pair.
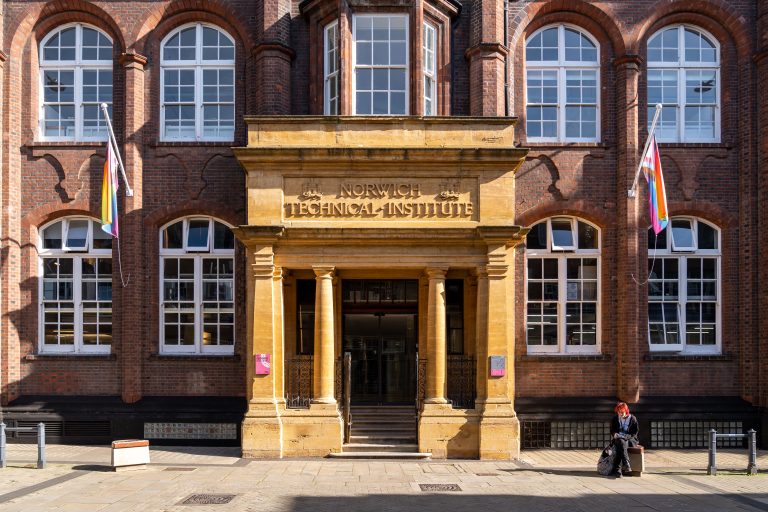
380,333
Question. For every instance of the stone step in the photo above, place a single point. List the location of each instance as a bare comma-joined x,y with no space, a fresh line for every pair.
380,447
381,455
357,429
384,438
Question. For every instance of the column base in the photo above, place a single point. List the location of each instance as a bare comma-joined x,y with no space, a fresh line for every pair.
446,432
262,432
313,432
499,432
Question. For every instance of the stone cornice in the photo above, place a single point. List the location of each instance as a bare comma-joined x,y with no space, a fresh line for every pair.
635,60
486,48
133,60
255,234
273,47
509,235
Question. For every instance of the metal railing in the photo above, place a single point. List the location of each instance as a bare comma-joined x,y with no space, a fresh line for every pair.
298,381
461,380
751,436
40,443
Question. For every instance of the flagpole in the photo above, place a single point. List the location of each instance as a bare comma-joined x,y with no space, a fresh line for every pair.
113,141
632,192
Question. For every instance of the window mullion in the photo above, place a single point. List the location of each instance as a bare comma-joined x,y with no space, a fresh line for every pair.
682,297
77,297
561,302
198,315
198,101
561,101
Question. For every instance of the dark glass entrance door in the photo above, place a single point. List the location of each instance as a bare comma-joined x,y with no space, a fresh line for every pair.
383,349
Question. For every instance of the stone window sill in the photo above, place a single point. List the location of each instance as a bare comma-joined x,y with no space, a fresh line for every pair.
196,357
193,144
564,358
673,356
559,145
70,357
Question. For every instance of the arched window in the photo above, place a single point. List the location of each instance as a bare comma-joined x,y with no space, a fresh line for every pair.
198,84
197,287
75,287
684,287
684,77
563,287
75,78
562,85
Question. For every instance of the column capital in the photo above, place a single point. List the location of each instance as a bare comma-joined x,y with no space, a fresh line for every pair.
436,272
277,273
630,61
133,60
323,272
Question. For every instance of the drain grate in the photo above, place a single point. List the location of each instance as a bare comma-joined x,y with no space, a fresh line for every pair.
208,499
179,469
439,487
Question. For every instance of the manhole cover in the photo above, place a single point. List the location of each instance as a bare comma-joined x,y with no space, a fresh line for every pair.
439,487
179,469
208,499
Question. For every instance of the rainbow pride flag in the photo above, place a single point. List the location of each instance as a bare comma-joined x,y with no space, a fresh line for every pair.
109,193
657,194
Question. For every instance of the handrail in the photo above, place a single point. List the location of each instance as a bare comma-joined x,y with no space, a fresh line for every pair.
346,396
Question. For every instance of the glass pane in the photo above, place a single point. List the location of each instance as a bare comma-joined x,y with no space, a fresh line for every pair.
657,242
77,234
172,236
101,239
682,234
562,236
537,237
707,236
52,236
587,236
197,234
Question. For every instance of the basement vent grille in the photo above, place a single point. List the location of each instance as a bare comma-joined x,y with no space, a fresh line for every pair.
52,429
87,429
693,434
565,434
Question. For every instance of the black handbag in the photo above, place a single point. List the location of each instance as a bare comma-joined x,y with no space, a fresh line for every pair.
606,460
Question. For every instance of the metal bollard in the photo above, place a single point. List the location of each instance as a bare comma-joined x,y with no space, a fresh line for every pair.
752,464
712,468
3,460
41,446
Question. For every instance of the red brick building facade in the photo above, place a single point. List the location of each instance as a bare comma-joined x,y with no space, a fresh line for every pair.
490,55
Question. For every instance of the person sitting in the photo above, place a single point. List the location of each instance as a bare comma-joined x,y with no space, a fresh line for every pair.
624,430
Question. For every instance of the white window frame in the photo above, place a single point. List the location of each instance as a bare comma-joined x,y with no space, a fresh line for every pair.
562,348
198,65
198,349
682,256
430,72
406,66
682,66
77,66
78,347
561,67
327,75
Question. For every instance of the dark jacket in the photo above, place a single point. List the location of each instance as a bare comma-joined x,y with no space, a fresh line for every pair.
632,430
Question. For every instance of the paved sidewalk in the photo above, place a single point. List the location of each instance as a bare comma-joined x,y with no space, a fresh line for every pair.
77,479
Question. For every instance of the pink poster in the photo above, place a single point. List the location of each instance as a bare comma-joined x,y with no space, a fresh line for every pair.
262,364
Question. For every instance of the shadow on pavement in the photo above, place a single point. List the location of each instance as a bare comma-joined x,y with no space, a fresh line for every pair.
93,467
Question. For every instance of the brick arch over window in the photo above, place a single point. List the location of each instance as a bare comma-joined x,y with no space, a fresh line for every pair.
166,214
593,19
715,16
221,13
582,209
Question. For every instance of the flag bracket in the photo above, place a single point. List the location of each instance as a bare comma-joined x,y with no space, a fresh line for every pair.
632,192
113,141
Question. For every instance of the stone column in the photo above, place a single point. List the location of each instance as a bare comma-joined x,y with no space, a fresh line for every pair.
324,360
132,298
262,432
499,430
632,252
436,363
436,422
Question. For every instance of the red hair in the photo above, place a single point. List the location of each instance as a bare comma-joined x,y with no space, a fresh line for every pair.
621,408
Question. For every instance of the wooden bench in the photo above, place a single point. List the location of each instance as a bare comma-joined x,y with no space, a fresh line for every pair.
130,454
637,459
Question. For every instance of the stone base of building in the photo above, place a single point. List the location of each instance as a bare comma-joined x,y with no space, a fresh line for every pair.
313,432
499,432
448,433
262,432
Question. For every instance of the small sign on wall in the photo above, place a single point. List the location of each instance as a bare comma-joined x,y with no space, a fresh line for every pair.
498,366
262,364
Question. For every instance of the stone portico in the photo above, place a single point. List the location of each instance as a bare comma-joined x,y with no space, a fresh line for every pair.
332,199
